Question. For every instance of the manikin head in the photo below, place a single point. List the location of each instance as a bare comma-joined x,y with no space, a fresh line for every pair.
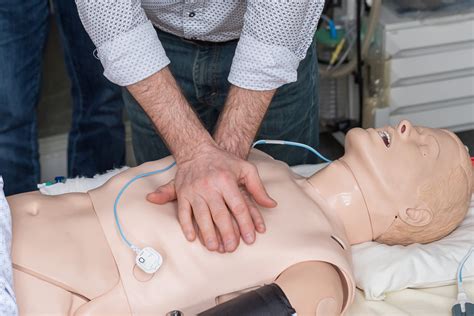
416,181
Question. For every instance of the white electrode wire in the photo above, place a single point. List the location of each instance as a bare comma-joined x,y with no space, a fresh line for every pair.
344,56
460,268
348,68
350,41
119,195
288,143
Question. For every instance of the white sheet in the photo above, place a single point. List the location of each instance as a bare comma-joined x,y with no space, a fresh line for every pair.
435,301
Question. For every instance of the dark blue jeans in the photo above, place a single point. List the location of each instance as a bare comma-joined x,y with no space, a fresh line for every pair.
96,139
201,69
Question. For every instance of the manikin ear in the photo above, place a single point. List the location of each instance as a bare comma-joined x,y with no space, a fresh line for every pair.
420,216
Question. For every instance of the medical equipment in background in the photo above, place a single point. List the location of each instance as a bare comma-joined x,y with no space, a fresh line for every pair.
463,306
148,259
416,59
341,59
420,66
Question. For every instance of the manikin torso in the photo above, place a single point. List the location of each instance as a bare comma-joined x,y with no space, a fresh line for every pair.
68,248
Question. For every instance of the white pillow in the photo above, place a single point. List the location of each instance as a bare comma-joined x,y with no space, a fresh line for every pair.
380,268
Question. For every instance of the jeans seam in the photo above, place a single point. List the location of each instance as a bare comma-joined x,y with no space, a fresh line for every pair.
214,70
196,74
74,82
33,139
34,127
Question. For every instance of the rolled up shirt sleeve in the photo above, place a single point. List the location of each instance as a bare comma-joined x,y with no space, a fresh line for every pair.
275,38
127,44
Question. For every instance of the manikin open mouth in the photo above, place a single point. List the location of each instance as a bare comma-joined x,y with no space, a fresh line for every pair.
385,137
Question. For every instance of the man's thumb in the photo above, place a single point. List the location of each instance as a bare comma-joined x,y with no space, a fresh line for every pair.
164,194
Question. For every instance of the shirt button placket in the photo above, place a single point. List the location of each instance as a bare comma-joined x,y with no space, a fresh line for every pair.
189,12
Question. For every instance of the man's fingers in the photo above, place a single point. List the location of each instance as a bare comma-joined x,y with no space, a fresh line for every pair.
210,182
234,199
199,235
255,187
254,212
204,220
163,194
236,228
221,248
223,220
185,218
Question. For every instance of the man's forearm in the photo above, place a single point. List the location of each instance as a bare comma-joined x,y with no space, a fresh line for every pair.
163,101
239,122
207,179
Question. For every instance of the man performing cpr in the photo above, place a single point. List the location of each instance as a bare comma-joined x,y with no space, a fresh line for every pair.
202,78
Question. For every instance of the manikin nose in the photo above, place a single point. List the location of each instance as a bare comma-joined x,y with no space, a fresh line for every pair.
404,128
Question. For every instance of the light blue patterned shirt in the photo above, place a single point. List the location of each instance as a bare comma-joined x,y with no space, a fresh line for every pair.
274,35
7,297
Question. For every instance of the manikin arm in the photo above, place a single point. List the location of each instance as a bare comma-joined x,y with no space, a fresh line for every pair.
311,288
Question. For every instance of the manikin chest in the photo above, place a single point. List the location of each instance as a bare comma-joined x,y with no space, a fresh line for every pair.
73,242
191,277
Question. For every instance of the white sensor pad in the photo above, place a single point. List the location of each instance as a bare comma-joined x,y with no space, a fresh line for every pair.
149,260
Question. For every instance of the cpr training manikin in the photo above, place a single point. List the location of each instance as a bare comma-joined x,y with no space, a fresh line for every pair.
393,185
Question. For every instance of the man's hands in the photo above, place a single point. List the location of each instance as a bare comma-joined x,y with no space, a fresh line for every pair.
207,186
212,175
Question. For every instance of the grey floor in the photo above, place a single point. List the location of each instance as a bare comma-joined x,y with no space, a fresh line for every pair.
54,109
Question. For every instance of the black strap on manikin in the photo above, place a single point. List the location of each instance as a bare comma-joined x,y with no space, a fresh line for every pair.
268,300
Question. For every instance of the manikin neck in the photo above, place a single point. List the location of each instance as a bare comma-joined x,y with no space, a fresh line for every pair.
336,191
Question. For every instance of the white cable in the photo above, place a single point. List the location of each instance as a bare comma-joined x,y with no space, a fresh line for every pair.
462,298
289,143
461,266
147,259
